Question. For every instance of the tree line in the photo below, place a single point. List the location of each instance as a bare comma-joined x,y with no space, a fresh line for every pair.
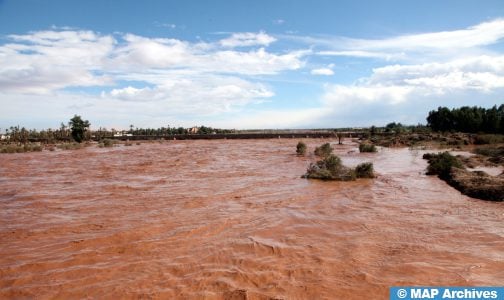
467,119
79,130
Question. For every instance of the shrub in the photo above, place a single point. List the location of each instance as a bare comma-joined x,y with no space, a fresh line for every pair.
365,170
301,148
494,154
36,148
330,168
324,151
365,147
108,143
483,139
12,148
70,146
441,164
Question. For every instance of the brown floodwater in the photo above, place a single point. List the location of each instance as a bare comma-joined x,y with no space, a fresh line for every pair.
232,219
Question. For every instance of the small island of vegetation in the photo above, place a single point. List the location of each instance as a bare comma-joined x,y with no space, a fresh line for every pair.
330,167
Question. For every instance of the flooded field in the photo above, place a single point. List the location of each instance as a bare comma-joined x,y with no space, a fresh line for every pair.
232,219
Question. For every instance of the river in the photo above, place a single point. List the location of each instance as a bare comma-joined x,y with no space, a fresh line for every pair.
233,219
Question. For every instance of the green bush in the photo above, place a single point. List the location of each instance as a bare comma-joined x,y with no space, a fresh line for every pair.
365,147
441,164
301,148
108,143
70,146
9,149
324,151
13,148
330,168
365,170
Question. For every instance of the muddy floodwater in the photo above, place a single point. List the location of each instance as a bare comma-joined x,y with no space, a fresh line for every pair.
232,219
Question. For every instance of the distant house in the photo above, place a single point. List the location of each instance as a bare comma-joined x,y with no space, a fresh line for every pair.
122,133
194,130
4,137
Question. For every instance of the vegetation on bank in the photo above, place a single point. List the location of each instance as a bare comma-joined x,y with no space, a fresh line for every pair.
12,148
441,164
476,184
79,130
494,154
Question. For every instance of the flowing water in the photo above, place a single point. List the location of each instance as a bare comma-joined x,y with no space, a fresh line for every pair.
232,219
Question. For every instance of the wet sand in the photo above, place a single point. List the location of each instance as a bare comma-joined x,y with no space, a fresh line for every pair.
232,219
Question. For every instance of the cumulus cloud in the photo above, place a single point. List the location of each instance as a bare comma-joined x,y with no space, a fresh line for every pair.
407,92
41,62
171,76
198,95
44,61
158,78
245,39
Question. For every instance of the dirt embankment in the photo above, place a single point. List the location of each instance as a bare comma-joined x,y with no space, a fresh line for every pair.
478,184
469,173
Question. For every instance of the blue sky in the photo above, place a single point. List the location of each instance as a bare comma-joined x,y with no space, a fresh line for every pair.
246,64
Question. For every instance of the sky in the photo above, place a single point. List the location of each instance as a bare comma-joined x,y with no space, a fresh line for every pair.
246,64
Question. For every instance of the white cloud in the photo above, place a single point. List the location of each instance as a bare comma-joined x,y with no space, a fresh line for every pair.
472,73
183,80
398,83
365,54
407,92
322,71
413,47
198,95
483,34
146,53
48,60
245,39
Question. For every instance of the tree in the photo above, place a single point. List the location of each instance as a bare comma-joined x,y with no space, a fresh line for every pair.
373,130
79,127
340,137
467,119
